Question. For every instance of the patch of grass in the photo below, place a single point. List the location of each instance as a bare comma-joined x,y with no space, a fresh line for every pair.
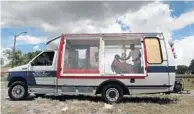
136,104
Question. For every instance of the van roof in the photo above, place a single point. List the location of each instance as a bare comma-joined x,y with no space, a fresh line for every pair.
112,34
108,35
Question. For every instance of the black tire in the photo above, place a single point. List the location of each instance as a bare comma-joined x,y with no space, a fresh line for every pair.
39,95
23,88
178,87
116,93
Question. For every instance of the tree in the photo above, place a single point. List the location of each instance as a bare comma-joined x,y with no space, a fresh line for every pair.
20,58
181,69
191,67
29,56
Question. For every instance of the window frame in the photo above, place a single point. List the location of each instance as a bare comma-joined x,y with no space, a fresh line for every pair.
142,56
161,54
78,70
101,73
41,54
87,48
86,54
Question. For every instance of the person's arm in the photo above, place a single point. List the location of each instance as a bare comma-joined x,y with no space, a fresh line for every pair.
126,58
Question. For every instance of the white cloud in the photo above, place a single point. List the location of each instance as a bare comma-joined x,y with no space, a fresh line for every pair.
156,17
2,24
111,28
36,48
31,39
37,13
67,16
48,28
183,20
87,26
184,50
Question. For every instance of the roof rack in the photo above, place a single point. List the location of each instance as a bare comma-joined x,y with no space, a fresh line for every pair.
106,35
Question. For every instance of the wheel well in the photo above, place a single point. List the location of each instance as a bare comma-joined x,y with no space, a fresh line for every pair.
17,79
125,90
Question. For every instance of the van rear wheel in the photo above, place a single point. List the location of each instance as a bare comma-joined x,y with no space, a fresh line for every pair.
18,90
112,93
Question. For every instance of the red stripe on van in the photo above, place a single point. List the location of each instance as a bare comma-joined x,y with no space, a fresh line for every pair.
81,71
60,54
103,77
145,56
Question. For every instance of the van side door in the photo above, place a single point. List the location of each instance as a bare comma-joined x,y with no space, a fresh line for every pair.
157,61
42,71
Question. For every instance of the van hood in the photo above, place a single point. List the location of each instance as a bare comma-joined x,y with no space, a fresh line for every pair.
19,68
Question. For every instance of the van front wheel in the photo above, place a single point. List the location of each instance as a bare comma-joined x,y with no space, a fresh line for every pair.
112,93
18,90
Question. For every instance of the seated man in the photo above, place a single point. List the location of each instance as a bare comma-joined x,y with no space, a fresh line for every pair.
119,67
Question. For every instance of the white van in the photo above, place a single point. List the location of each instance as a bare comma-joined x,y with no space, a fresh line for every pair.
111,65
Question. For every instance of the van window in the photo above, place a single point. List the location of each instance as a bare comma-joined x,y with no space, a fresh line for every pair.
123,56
81,56
153,49
45,59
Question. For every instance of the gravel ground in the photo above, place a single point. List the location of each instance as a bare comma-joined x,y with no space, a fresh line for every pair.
141,104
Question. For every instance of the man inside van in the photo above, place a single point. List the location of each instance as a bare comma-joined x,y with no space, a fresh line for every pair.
136,58
116,65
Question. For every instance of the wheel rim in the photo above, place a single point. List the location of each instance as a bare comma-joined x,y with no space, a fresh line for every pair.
112,94
18,91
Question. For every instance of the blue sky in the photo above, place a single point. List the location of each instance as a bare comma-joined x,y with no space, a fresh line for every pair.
42,25
178,8
7,35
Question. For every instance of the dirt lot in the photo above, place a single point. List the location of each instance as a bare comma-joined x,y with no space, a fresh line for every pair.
139,104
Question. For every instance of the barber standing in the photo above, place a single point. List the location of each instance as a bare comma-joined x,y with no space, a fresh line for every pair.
136,58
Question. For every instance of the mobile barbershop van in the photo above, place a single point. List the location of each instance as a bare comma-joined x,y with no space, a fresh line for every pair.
111,65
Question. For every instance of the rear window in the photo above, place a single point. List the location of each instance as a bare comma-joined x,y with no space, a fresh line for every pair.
153,50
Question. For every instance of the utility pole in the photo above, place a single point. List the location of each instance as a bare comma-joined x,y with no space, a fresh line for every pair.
13,58
13,54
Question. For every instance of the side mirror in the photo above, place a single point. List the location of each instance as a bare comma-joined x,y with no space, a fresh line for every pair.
32,64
